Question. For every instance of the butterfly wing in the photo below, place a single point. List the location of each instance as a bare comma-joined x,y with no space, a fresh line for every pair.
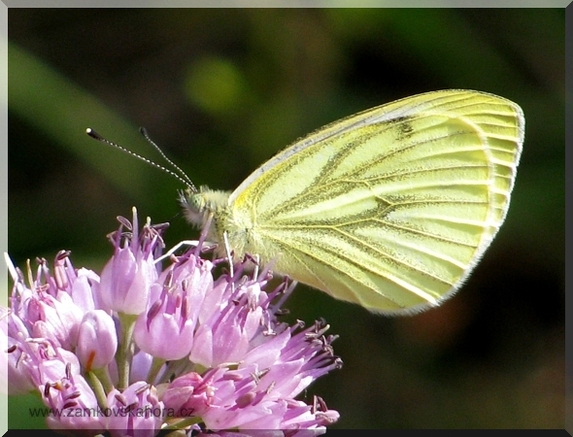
389,208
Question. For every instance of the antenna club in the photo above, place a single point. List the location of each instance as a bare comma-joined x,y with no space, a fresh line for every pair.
92,133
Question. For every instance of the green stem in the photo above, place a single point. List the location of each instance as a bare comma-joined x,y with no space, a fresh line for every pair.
97,388
125,352
104,378
154,370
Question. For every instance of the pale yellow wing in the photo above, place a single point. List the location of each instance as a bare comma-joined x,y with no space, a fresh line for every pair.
389,208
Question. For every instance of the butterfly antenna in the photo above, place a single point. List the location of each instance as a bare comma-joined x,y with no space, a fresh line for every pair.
143,132
180,175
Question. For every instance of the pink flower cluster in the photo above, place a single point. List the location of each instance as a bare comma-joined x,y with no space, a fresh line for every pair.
139,349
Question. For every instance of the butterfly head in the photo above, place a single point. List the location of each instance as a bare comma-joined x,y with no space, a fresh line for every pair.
199,205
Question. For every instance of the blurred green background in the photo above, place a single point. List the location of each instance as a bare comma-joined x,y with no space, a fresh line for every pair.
221,91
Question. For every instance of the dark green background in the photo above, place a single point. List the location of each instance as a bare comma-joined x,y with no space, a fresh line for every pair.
223,90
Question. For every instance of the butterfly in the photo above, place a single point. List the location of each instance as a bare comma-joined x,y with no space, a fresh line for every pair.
390,208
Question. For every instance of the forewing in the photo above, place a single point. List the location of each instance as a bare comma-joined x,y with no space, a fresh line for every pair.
389,208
